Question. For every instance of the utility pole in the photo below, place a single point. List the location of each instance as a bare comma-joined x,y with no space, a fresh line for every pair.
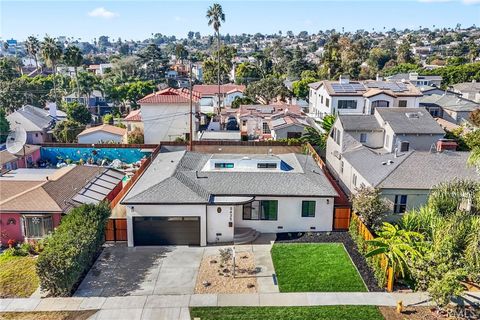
191,107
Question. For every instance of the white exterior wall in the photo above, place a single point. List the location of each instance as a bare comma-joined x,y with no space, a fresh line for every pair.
227,102
374,138
218,227
415,198
282,133
290,216
167,122
96,137
334,105
180,210
36,137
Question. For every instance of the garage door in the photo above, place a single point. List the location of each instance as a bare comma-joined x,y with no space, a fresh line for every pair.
155,231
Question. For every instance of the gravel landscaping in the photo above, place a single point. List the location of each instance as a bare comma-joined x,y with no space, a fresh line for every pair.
215,277
335,237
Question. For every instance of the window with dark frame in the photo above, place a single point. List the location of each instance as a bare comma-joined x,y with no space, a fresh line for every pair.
402,103
363,137
400,205
266,165
308,209
267,210
347,104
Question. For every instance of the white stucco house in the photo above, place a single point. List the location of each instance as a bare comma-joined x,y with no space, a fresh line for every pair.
103,134
166,115
360,97
196,198
209,95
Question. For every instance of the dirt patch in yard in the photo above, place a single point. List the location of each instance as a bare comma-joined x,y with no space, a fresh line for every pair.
215,277
56,315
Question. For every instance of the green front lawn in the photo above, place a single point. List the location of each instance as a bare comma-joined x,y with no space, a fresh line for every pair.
287,313
18,276
322,267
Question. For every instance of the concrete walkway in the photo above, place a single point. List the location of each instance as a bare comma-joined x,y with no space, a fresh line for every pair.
175,307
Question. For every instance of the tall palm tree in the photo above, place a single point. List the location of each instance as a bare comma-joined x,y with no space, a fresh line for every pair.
32,45
73,57
51,53
215,18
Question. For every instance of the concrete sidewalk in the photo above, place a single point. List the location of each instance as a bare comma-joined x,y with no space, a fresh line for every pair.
175,307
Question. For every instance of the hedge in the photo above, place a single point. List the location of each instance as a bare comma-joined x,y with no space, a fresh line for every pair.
72,248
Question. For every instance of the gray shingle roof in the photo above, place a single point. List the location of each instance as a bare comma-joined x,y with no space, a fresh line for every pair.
398,119
30,118
177,177
424,170
450,102
371,165
359,123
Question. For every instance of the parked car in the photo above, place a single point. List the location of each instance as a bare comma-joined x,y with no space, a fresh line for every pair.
232,124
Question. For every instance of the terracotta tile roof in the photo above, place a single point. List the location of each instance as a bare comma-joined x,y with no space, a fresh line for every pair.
170,96
106,128
212,89
135,115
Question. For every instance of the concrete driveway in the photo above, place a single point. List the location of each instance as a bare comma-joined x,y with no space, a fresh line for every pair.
123,271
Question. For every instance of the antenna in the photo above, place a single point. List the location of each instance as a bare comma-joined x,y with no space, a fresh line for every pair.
16,140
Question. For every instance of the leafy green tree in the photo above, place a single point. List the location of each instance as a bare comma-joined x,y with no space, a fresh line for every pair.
108,119
327,122
154,60
215,18
181,52
238,101
404,53
246,72
8,69
4,126
78,113
32,45
268,89
398,245
314,137
378,57
67,131
87,82
369,205
210,66
135,137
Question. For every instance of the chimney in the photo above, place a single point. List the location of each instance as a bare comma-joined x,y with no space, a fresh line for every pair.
52,109
446,144
344,79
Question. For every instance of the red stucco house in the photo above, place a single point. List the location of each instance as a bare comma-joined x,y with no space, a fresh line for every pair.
33,201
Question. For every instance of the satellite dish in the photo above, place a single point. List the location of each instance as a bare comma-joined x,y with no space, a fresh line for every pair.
16,140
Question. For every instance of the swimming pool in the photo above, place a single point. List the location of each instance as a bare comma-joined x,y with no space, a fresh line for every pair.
62,154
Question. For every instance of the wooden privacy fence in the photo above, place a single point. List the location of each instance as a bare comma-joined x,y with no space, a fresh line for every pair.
116,229
382,260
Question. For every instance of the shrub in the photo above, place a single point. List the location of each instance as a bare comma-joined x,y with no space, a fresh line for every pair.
136,136
71,250
367,203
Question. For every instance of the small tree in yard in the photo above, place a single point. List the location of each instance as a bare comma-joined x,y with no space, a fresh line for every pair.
368,204
135,137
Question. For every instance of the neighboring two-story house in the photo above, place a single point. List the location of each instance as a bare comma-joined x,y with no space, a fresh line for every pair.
95,102
364,150
166,115
360,97
468,90
452,108
209,95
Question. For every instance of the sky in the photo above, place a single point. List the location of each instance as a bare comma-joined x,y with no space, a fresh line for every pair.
137,20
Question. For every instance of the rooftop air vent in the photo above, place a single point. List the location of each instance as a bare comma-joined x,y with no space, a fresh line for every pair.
413,115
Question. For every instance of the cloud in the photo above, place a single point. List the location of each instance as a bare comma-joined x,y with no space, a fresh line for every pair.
434,1
103,13
462,1
471,1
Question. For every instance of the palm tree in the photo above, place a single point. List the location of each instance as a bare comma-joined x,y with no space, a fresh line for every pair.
51,53
215,18
398,245
73,57
32,45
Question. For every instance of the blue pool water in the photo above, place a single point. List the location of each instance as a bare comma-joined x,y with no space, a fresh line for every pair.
127,155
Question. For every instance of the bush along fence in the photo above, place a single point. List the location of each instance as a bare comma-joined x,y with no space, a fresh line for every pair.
360,234
72,249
